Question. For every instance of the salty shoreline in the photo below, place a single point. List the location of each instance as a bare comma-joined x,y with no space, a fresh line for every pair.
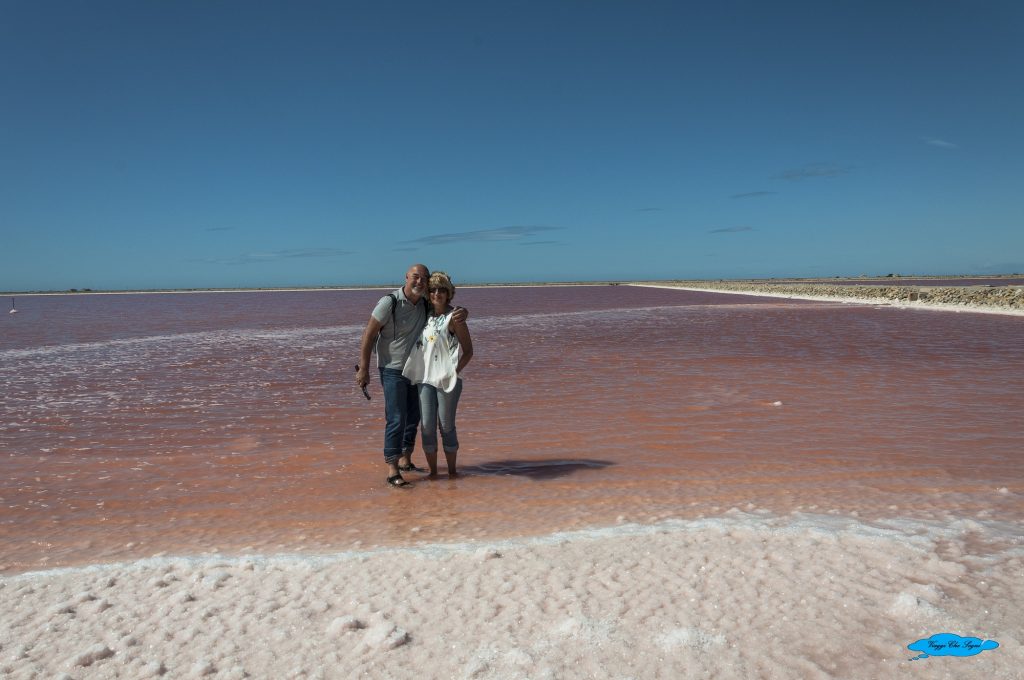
1007,301
739,596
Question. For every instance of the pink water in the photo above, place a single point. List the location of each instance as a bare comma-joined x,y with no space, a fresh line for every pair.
134,425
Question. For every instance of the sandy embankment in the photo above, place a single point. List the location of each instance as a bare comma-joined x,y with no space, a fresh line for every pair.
996,300
743,596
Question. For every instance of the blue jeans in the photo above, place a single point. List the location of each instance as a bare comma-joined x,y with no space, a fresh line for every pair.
435,406
402,412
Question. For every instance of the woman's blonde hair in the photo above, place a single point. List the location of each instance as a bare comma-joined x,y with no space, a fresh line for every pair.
442,280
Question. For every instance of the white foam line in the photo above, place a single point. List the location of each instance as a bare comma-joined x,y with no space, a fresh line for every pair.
499,321
215,337
919,533
881,302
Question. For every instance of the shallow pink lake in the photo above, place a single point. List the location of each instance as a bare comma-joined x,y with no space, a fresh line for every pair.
133,425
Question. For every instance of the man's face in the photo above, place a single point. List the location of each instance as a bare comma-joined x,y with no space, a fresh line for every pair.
416,278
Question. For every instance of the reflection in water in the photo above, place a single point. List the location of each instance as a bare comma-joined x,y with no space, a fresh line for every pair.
185,424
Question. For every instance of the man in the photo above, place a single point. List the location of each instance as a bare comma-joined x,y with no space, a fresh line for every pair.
395,326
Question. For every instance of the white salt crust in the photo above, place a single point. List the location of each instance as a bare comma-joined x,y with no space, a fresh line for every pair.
742,596
851,300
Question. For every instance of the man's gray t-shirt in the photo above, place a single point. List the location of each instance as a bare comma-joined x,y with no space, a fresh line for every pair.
398,332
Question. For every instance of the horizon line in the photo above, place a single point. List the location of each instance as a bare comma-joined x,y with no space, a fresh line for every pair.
491,284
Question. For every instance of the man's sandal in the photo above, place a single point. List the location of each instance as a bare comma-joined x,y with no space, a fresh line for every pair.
410,468
397,482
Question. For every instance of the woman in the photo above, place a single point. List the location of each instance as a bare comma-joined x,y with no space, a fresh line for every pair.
434,365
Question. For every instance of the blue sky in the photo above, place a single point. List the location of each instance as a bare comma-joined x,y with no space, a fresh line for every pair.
207,144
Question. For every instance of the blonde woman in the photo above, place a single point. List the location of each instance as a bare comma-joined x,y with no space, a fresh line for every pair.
434,365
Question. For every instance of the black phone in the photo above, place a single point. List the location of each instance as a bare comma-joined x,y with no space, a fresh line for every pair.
366,392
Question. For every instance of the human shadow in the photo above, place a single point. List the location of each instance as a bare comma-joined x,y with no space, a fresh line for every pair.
535,469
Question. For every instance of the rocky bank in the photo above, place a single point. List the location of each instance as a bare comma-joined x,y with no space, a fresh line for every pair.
982,298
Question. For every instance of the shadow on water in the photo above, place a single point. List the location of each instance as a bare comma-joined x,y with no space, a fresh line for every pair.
535,469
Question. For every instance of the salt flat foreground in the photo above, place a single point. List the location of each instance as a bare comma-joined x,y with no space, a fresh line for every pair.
742,596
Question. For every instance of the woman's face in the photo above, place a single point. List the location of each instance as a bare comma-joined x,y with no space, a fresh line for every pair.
439,295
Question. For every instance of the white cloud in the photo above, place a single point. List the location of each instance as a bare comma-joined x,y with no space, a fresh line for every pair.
814,170
496,234
275,255
730,230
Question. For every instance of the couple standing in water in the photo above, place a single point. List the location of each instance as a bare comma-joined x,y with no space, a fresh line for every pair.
422,345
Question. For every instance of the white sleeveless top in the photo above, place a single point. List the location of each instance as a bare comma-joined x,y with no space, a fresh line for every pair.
435,356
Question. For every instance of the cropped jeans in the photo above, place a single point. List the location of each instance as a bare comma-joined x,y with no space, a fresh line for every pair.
435,406
402,413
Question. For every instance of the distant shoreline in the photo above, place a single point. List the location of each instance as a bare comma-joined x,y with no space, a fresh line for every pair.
674,283
1007,300
384,287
